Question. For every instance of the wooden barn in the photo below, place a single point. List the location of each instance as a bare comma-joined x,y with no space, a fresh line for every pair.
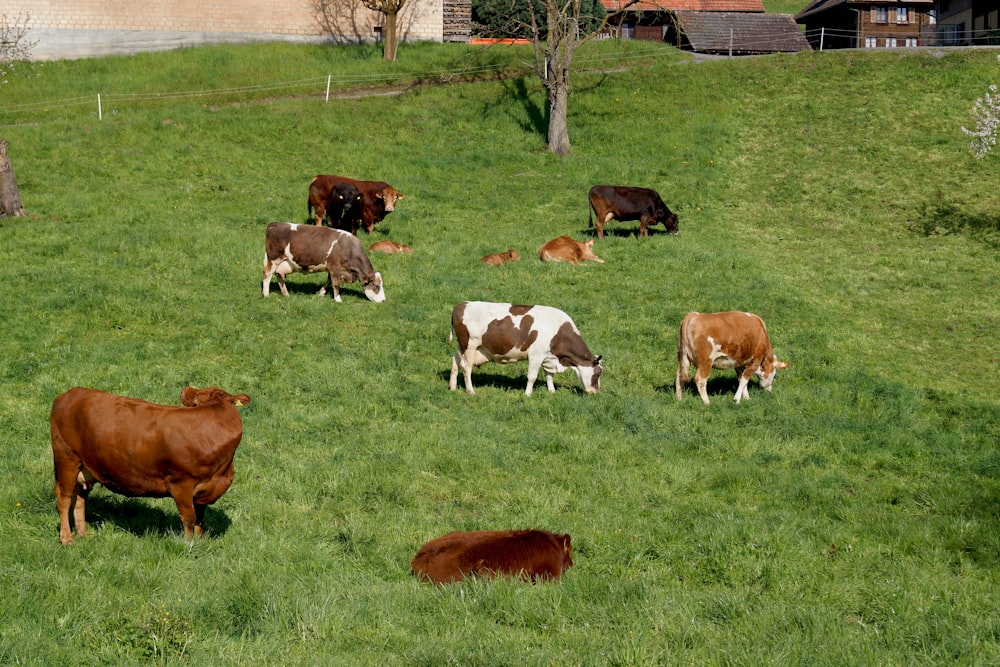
730,27
846,24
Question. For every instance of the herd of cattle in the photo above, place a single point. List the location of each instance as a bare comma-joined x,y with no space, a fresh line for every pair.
137,448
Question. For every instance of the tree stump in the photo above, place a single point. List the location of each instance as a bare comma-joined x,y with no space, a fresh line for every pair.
10,197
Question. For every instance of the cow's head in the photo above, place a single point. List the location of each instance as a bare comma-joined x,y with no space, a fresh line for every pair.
768,370
669,219
389,197
373,288
195,398
590,375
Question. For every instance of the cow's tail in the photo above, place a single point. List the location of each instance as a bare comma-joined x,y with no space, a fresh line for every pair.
590,215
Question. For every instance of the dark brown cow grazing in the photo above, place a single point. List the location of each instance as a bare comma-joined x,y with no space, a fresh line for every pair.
289,248
724,340
137,448
500,258
390,247
566,249
528,554
619,202
344,206
505,333
377,198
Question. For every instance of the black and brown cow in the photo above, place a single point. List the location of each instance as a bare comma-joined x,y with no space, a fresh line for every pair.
724,340
619,202
505,333
376,199
289,247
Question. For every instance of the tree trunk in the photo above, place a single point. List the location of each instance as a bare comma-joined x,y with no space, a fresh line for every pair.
389,38
558,129
10,197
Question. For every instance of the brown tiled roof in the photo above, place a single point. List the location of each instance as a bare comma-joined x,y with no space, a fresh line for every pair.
738,32
696,5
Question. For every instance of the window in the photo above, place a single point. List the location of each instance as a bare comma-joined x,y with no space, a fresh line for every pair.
871,42
911,41
902,15
880,14
890,42
628,31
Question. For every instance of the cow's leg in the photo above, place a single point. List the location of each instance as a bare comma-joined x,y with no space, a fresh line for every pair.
320,213
643,223
683,375
66,498
335,284
453,380
548,382
741,390
199,520
701,381
184,498
534,366
467,364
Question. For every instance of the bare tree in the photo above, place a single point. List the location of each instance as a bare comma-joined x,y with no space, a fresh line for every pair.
10,197
345,19
554,60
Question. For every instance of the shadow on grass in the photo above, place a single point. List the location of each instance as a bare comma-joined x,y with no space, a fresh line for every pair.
723,386
148,516
482,379
943,215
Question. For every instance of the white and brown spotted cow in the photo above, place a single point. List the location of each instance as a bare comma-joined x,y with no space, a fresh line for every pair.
289,247
505,333
724,340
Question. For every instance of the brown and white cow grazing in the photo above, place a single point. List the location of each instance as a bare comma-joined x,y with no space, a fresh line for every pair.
137,448
620,202
501,258
390,247
566,249
377,199
506,333
724,340
289,248
528,554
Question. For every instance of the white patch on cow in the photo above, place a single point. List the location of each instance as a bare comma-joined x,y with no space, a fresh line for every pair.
719,358
375,291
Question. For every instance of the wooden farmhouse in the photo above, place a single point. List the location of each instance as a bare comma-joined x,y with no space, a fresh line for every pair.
728,27
840,24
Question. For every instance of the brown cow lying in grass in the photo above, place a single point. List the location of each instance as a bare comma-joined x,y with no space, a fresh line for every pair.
528,554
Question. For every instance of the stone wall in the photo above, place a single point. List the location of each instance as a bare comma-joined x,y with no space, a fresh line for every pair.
73,28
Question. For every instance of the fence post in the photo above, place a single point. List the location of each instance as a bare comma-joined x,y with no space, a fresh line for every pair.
822,34
730,42
100,114
328,77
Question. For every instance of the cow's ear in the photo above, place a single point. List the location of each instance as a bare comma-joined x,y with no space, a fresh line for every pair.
566,544
241,400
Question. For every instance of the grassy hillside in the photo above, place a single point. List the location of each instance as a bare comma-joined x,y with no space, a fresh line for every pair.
848,517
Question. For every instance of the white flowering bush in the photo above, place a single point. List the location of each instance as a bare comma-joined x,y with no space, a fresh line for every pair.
15,49
987,113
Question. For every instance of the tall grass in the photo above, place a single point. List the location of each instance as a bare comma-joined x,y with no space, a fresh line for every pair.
848,517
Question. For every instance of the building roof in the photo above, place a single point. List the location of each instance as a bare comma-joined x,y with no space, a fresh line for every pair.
695,5
740,32
819,6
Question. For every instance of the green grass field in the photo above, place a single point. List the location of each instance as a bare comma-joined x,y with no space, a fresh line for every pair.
850,517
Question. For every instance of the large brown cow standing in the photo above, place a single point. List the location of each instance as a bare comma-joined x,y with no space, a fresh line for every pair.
376,199
137,448
529,554
622,202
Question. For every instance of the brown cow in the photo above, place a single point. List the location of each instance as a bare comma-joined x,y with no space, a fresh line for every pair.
724,340
377,199
390,247
137,448
500,258
528,554
565,249
289,248
621,202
